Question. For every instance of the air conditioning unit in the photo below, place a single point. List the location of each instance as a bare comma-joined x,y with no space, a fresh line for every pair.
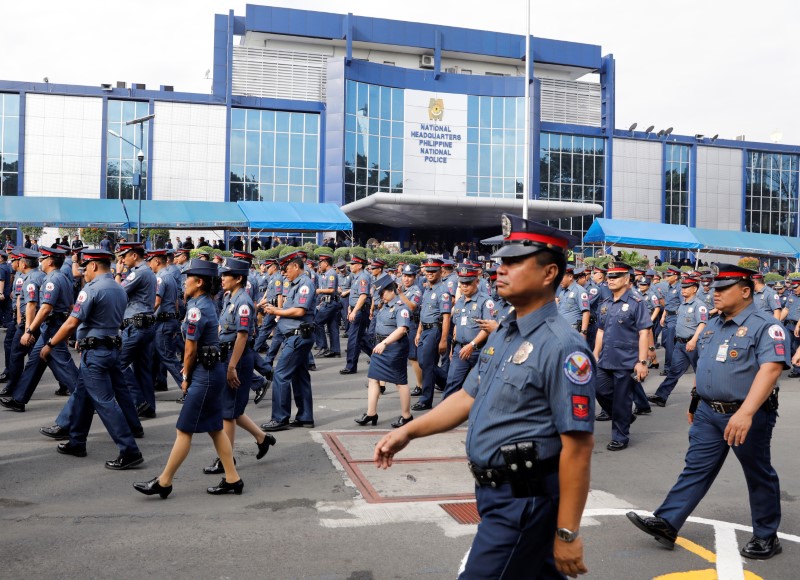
426,61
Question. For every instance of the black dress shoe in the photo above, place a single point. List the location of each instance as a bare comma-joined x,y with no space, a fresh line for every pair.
663,373
161,387
61,392
792,374
759,549
642,411
4,378
225,487
180,399
298,423
264,446
653,365
602,416
125,462
364,419
261,391
402,421
152,487
331,354
616,446
659,528
55,432
216,467
416,392
145,411
69,449
657,401
5,392
312,367
347,372
13,405
421,406
138,434
274,425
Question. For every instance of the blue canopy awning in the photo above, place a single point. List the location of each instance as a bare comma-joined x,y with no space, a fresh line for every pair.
744,243
61,212
186,214
641,235
295,217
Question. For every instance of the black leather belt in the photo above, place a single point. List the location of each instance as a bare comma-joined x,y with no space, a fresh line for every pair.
671,312
493,477
428,325
723,407
140,321
92,342
381,337
682,340
792,322
226,348
166,316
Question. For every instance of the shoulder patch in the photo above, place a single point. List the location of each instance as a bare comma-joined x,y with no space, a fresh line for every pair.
580,407
578,368
776,332
244,310
131,275
304,289
702,309
82,296
30,288
193,315
50,286
404,313
593,291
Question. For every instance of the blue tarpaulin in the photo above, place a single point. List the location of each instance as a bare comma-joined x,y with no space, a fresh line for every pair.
61,212
641,235
186,214
295,217
744,243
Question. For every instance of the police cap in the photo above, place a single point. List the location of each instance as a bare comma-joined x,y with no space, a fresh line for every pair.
378,263
645,281
432,264
672,271
234,267
357,259
341,264
198,267
26,253
410,270
579,271
726,275
468,274
449,264
242,255
95,256
126,247
383,282
617,269
155,253
523,237
52,252
689,281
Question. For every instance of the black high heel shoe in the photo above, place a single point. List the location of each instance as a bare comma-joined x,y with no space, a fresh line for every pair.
367,418
264,446
216,467
225,487
402,421
152,487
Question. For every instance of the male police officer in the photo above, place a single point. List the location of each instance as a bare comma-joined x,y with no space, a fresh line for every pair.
165,308
5,288
529,404
765,297
742,354
692,319
670,301
271,297
328,306
623,338
358,312
573,304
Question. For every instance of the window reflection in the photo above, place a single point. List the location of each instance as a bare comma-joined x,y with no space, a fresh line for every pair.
771,193
121,161
9,144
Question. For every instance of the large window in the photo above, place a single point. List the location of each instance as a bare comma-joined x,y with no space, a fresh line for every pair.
771,193
676,185
123,145
572,168
373,152
9,143
274,156
495,146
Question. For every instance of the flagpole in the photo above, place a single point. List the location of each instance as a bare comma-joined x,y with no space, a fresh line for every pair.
526,172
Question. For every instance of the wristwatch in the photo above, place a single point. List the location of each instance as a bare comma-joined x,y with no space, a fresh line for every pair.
643,362
566,535
472,344
651,348
584,331
185,377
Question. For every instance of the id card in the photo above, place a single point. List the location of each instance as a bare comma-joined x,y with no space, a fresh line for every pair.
463,321
722,352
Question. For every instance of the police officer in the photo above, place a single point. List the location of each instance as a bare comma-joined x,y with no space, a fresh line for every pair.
343,281
388,363
411,296
573,304
780,290
97,316
599,293
670,301
791,321
650,298
272,296
529,404
468,338
296,324
138,331
165,310
623,338
328,307
765,297
432,332
741,355
203,382
54,306
376,271
5,288
359,303
706,293
12,323
692,319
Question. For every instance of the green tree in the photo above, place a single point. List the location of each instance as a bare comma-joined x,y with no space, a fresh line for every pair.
33,231
92,236
67,232
749,263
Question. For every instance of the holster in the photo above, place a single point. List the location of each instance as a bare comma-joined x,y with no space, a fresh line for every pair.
524,473
208,356
694,402
771,404
306,330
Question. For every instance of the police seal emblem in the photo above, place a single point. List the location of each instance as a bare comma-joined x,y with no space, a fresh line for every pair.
522,353
578,368
505,223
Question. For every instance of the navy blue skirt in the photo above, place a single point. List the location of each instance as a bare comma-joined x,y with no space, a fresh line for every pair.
392,365
202,408
234,401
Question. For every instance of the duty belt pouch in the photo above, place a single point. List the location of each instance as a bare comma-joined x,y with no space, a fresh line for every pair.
522,461
771,404
306,330
694,402
143,320
209,356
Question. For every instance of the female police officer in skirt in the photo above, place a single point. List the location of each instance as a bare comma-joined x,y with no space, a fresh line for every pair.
389,360
203,383
236,326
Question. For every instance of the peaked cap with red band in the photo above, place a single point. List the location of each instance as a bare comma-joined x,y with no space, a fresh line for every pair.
241,255
523,237
617,267
126,247
432,264
729,274
95,255
52,251
468,273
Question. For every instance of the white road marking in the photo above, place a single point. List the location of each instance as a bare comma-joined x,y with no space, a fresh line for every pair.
729,561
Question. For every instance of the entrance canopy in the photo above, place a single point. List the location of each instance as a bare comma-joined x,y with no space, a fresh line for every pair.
186,214
744,243
402,210
61,212
295,217
641,235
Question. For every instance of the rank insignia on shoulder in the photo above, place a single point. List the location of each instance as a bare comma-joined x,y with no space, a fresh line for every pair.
580,407
522,353
741,331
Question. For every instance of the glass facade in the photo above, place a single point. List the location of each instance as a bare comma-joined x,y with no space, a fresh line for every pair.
123,145
9,144
572,168
676,185
373,151
274,156
495,146
771,193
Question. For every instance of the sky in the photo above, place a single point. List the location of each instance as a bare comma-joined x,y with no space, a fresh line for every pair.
699,66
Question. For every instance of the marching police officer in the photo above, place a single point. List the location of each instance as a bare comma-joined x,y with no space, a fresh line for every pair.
97,317
411,296
529,404
623,338
13,323
328,306
692,319
741,355
765,297
343,281
274,289
165,309
670,301
650,297
573,304
5,288
296,324
791,316
357,312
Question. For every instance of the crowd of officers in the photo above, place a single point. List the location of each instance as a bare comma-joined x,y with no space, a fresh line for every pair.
139,318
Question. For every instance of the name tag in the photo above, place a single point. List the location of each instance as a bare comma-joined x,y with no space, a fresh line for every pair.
463,321
722,353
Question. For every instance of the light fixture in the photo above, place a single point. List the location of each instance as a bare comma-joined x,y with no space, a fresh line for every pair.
45,79
699,136
668,132
632,127
650,129
715,137
660,133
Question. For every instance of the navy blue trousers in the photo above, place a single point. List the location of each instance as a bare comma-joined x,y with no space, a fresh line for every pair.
794,343
267,324
326,321
615,396
704,459
459,369
166,355
16,362
515,536
354,337
428,358
11,328
668,340
59,361
681,359
135,359
291,376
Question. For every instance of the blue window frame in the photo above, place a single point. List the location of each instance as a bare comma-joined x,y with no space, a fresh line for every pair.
9,143
122,146
771,193
676,184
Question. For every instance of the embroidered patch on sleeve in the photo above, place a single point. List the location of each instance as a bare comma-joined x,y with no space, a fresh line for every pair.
578,368
580,407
